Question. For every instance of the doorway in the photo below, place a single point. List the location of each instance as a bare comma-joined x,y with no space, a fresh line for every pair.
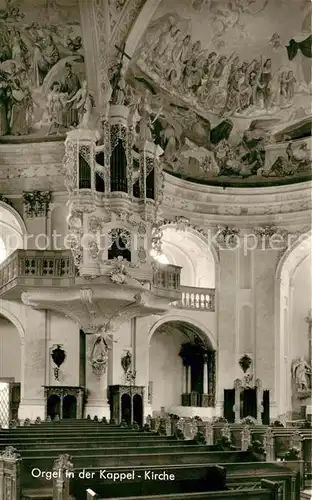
248,403
53,406
126,408
137,410
69,406
228,405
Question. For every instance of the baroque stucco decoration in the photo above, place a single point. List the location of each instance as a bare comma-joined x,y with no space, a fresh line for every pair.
227,104
43,90
36,203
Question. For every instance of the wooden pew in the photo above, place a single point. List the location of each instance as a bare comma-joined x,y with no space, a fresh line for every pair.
188,483
108,482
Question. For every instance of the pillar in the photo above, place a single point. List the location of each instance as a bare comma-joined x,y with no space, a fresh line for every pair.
188,378
96,384
184,379
259,396
205,395
205,376
34,348
212,378
237,387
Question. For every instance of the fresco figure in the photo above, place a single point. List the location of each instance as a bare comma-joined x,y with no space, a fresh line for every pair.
3,104
46,55
19,50
19,105
55,108
70,86
83,103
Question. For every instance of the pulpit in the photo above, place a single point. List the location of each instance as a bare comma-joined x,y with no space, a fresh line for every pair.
126,403
63,401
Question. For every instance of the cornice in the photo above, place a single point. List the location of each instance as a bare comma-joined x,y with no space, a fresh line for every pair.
289,204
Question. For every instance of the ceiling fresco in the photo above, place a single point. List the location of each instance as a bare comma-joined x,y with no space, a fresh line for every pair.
229,88
41,67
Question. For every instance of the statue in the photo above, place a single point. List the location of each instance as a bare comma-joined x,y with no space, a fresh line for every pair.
145,123
99,355
301,371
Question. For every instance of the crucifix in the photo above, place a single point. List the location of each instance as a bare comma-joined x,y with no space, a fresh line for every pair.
308,320
122,52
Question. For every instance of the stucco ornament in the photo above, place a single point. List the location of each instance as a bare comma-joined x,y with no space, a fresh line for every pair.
120,272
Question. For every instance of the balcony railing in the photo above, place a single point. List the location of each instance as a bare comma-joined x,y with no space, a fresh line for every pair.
34,268
167,276
199,299
30,267
197,399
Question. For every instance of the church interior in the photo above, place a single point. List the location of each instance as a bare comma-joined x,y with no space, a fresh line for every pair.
155,250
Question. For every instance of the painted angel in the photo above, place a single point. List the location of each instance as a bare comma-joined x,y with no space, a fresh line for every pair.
301,371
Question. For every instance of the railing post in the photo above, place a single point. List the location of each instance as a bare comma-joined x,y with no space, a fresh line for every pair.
91,495
268,444
10,474
63,466
275,488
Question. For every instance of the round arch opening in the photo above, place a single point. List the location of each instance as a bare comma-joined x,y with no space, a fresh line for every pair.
189,251
293,351
10,371
181,370
12,231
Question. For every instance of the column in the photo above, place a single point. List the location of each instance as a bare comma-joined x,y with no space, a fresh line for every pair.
259,401
32,403
237,387
96,384
205,382
308,320
188,378
184,390
212,378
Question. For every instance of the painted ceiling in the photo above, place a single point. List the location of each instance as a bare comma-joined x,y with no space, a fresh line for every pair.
228,85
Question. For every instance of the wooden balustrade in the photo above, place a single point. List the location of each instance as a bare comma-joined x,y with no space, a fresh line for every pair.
31,267
36,265
167,276
199,299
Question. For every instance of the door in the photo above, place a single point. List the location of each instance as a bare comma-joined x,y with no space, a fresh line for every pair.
228,405
138,410
126,408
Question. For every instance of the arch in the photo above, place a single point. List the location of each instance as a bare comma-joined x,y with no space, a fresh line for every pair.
295,251
14,217
190,250
14,320
139,26
286,270
181,367
13,229
209,337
